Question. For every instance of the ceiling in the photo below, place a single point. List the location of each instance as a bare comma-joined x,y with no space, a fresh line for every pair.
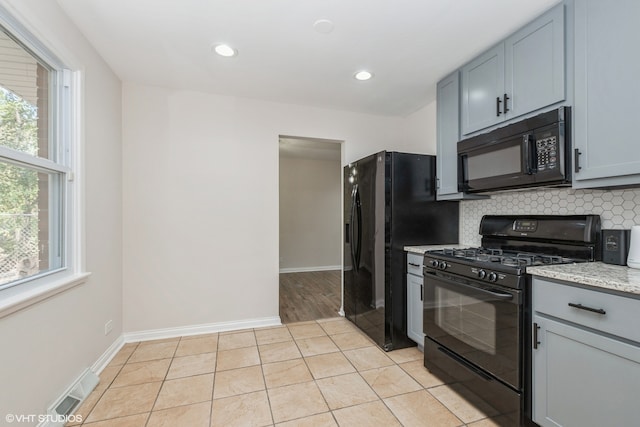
408,45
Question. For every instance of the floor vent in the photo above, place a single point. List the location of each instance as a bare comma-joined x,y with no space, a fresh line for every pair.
67,405
71,399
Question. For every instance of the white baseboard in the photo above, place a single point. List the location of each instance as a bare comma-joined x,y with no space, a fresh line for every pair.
156,334
308,269
109,354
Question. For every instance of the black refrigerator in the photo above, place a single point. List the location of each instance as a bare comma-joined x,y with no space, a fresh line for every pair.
389,202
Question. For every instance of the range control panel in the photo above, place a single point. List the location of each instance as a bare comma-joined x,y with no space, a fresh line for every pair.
525,225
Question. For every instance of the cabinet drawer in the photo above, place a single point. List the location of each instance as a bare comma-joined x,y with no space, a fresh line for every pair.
616,315
414,263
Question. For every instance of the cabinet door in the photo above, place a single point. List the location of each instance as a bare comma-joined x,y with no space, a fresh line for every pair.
448,134
583,379
482,88
606,93
414,308
535,65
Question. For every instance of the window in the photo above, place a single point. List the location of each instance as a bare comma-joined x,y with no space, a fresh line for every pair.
35,160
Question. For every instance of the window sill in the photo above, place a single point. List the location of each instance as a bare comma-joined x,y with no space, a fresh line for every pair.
28,294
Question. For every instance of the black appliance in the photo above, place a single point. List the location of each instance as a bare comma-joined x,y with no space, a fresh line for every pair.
533,152
477,304
389,202
615,246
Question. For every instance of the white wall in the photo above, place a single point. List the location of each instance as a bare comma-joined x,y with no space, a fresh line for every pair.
46,346
310,214
201,200
420,130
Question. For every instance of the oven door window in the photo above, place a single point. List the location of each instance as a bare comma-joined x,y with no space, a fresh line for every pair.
483,325
470,320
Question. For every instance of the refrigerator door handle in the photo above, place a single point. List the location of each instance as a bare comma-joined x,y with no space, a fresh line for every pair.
352,246
359,241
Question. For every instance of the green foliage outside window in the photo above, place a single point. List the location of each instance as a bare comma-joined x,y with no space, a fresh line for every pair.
18,185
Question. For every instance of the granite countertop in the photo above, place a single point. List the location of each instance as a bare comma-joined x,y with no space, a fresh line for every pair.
618,278
422,249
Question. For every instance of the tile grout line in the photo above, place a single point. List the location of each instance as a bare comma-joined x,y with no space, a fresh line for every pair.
304,360
155,401
331,411
213,386
215,379
264,380
315,380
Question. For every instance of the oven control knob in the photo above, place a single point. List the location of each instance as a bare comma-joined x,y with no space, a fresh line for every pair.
443,265
482,274
493,277
434,263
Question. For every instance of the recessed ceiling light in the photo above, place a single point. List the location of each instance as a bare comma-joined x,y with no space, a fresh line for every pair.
323,26
363,75
224,50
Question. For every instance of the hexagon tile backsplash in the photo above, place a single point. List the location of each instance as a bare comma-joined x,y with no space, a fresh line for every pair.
617,208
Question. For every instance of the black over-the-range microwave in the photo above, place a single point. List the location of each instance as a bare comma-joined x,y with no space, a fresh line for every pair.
533,152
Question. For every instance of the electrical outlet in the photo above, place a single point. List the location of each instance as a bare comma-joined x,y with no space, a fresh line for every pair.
108,327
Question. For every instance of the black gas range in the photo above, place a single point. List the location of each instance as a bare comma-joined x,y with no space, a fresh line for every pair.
477,303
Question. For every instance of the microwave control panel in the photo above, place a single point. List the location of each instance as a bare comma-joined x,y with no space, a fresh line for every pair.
547,153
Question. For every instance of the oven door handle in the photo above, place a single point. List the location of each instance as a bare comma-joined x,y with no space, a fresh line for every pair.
498,295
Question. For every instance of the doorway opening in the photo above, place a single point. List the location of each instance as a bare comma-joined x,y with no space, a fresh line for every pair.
310,201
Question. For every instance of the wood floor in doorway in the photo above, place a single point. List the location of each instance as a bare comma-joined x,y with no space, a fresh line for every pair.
309,296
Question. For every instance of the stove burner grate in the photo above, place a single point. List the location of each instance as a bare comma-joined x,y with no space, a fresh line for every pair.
512,259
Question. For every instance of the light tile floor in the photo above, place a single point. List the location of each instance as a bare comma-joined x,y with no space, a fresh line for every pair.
319,373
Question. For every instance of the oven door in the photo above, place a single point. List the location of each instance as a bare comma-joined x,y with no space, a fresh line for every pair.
476,321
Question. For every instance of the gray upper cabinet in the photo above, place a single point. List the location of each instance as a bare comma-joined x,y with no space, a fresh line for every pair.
482,90
606,93
535,64
523,74
448,134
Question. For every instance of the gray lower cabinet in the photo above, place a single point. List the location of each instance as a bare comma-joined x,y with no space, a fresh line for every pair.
414,298
586,364
606,93
523,74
